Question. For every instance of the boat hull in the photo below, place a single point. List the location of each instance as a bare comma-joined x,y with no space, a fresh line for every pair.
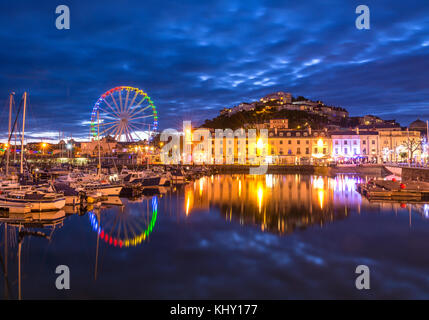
72,200
37,205
109,191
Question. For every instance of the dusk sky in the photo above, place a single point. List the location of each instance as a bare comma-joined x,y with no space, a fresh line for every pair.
195,57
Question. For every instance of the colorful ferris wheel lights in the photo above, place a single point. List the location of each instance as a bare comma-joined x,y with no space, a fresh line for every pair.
123,115
112,237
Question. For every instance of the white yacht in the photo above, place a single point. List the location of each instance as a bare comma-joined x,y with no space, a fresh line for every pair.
104,188
38,200
90,183
143,178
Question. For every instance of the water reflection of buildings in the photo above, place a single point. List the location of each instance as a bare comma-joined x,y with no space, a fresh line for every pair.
276,203
280,203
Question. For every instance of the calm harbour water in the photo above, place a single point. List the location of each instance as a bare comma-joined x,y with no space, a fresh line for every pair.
227,237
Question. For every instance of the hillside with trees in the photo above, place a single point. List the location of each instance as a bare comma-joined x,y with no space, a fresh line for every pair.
297,119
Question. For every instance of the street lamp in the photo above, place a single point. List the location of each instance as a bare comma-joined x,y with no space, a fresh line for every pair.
69,148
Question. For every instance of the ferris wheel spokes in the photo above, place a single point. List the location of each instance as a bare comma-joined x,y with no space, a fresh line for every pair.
113,110
134,99
126,100
124,120
139,111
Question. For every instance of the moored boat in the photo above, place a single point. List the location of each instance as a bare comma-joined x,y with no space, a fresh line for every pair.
38,200
105,189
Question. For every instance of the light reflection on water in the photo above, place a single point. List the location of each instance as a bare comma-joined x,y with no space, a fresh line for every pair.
280,203
226,236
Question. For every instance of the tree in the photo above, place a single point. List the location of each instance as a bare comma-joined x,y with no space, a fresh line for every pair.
411,146
403,155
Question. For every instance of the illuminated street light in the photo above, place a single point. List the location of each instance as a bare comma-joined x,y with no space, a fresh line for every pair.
43,147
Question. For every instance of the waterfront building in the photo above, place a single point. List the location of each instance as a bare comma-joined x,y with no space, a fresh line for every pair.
299,146
400,146
420,126
356,146
302,146
369,146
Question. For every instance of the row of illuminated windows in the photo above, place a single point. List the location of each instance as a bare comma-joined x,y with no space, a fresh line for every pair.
354,151
355,142
281,151
297,151
298,134
272,141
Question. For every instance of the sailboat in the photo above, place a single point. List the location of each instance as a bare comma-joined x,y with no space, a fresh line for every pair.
26,198
102,186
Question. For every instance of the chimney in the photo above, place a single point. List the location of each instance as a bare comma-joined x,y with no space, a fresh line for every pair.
357,130
309,131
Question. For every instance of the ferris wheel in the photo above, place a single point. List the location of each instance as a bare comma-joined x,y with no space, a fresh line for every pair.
124,113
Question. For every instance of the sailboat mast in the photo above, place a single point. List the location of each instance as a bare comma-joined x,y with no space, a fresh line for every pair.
22,138
98,138
14,153
8,139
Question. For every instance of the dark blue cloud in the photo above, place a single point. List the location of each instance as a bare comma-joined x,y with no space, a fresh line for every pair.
196,57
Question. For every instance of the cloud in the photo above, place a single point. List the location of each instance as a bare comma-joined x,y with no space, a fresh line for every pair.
195,58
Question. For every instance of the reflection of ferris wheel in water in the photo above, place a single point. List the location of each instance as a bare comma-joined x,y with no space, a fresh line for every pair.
124,113
127,227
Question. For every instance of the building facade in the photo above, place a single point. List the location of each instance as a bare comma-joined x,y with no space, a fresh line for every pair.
355,146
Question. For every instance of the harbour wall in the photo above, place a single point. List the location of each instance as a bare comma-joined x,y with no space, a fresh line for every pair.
397,171
415,174
410,173
376,170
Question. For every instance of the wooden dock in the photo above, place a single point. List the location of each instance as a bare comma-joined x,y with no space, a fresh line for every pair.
394,190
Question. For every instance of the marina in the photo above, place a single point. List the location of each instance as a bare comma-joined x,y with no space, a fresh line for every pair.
200,152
